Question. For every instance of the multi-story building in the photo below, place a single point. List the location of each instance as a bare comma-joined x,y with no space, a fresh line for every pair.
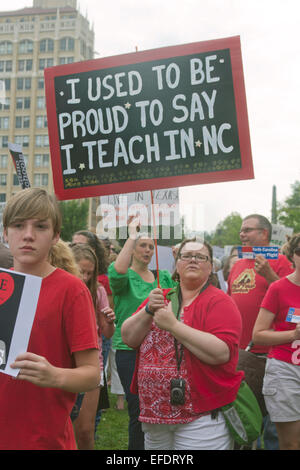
51,32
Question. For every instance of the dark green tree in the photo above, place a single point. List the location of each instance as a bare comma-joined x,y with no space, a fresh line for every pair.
74,217
289,211
227,231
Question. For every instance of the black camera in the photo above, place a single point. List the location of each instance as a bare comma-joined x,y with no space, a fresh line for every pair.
177,391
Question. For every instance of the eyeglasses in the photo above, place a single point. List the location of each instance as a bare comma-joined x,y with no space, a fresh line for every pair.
198,257
248,229
297,251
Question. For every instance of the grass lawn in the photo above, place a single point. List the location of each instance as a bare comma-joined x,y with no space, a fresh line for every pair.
112,431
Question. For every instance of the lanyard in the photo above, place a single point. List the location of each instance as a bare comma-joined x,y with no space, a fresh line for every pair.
179,354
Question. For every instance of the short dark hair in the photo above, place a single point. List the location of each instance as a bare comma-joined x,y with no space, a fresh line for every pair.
188,240
212,278
263,222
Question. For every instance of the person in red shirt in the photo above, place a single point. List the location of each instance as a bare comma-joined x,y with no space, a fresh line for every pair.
62,357
197,346
249,279
248,283
281,332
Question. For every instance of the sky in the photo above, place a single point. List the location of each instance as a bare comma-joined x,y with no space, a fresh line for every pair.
270,43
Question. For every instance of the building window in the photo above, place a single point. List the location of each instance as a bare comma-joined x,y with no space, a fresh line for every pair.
3,161
5,65
41,160
25,65
22,122
40,102
66,60
40,83
83,48
46,45
26,160
22,140
42,141
4,122
6,47
15,180
67,44
23,103
26,46
24,83
43,63
4,103
4,141
2,197
3,180
40,179
5,84
41,122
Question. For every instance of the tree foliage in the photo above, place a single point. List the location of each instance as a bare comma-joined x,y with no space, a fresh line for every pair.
74,217
227,231
289,211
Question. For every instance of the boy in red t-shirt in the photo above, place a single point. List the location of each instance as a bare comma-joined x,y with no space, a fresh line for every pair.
62,357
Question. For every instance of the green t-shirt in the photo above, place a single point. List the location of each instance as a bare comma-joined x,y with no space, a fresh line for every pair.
129,291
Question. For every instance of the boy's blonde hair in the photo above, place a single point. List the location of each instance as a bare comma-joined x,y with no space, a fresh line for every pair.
32,203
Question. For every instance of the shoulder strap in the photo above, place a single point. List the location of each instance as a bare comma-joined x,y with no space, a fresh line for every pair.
174,295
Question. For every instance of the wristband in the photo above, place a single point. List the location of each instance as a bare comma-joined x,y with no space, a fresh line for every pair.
147,310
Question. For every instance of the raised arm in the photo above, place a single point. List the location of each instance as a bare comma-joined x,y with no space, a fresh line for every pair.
123,260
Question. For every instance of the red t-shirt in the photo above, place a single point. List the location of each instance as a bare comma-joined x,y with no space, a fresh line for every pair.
103,279
36,418
247,288
209,386
282,295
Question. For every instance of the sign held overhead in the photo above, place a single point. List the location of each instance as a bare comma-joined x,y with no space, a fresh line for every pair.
162,118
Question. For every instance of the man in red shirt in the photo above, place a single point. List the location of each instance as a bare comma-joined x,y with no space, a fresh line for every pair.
249,279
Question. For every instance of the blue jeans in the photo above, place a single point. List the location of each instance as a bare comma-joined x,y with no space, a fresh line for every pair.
106,345
270,435
125,361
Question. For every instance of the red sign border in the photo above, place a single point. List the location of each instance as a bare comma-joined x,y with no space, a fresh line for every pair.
245,172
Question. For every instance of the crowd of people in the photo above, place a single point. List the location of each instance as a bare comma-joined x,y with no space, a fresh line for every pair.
172,341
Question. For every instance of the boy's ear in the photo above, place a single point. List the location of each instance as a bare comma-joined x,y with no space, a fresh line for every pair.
55,238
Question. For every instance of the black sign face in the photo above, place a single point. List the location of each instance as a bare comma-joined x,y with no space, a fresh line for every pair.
11,288
150,121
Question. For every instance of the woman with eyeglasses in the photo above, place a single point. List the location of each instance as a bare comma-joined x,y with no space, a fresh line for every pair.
187,338
131,280
278,326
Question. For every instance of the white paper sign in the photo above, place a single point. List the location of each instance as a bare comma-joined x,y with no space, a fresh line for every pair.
279,234
115,210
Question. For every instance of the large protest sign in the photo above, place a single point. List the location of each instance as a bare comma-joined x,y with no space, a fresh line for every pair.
19,295
162,118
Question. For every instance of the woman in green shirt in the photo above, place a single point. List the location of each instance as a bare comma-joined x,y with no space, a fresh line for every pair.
131,282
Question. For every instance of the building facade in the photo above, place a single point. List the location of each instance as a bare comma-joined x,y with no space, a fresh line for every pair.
51,32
